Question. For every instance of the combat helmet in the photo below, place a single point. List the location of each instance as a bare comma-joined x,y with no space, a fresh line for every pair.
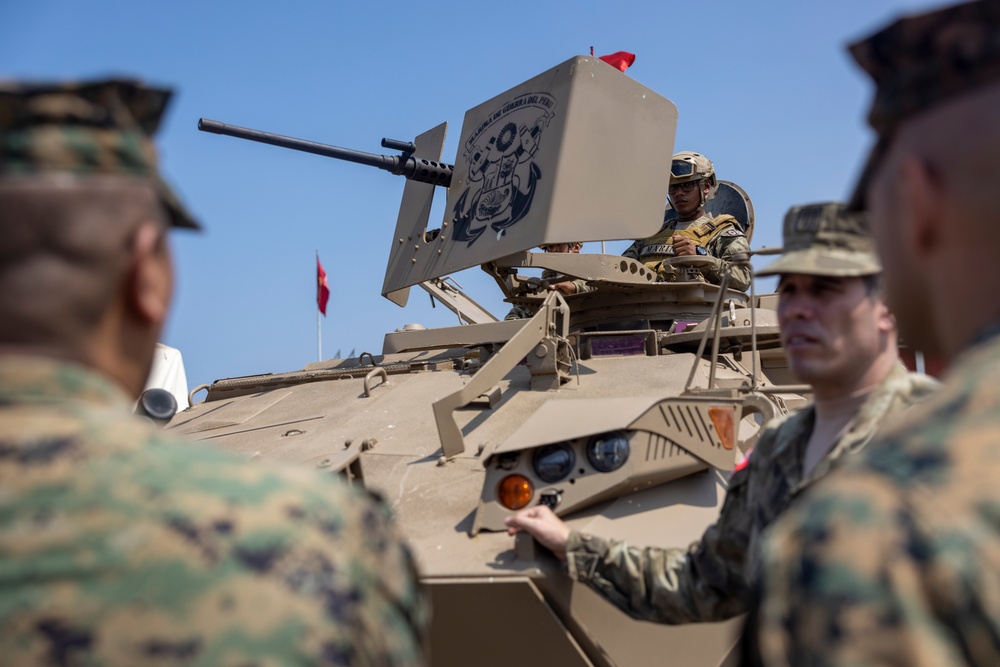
689,166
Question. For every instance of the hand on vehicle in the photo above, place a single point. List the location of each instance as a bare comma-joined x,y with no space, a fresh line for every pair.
541,523
566,287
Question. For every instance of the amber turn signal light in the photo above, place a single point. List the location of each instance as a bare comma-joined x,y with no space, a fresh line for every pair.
722,419
515,491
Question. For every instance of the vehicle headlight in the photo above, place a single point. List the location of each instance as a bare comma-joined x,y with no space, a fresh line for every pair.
609,451
554,462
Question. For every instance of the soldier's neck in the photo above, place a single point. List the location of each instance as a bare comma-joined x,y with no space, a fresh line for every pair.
842,408
691,217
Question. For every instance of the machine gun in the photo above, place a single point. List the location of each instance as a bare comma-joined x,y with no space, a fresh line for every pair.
503,197
404,164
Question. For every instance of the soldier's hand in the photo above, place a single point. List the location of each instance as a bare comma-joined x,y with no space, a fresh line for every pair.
541,523
566,287
683,245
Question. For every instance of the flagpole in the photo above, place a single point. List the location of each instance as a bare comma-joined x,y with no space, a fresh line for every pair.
319,323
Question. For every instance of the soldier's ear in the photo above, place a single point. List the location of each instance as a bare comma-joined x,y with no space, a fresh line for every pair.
885,320
923,202
150,274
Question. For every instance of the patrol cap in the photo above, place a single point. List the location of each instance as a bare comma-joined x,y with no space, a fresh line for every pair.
825,239
99,127
921,61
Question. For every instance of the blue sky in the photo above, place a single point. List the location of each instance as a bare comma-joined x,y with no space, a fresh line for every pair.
766,90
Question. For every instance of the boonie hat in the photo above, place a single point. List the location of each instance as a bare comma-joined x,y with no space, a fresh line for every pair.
825,239
921,61
99,127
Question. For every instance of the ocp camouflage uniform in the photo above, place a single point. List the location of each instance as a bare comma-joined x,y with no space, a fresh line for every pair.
896,559
721,238
119,546
711,579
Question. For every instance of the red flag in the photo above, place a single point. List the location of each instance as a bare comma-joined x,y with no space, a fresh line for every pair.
322,288
620,59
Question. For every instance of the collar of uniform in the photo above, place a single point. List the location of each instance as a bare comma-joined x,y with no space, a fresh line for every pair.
34,379
862,427
790,445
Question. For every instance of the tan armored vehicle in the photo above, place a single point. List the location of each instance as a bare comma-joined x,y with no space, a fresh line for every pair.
623,408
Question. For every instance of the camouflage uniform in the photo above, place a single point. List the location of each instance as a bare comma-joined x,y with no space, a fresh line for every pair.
710,580
724,241
895,560
121,547
519,312
522,312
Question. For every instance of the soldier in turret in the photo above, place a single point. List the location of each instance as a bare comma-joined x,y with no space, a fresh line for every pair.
694,231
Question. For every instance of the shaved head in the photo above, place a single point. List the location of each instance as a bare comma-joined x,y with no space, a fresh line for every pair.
960,142
934,205
67,262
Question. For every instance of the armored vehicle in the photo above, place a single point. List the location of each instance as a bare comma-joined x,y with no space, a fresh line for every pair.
623,408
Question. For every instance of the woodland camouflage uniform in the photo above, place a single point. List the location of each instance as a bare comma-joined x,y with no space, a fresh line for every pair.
895,560
119,546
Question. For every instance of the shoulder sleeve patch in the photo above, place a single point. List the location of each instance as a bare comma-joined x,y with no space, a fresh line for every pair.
732,231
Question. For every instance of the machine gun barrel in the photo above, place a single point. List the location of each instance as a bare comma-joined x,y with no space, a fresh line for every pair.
406,165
